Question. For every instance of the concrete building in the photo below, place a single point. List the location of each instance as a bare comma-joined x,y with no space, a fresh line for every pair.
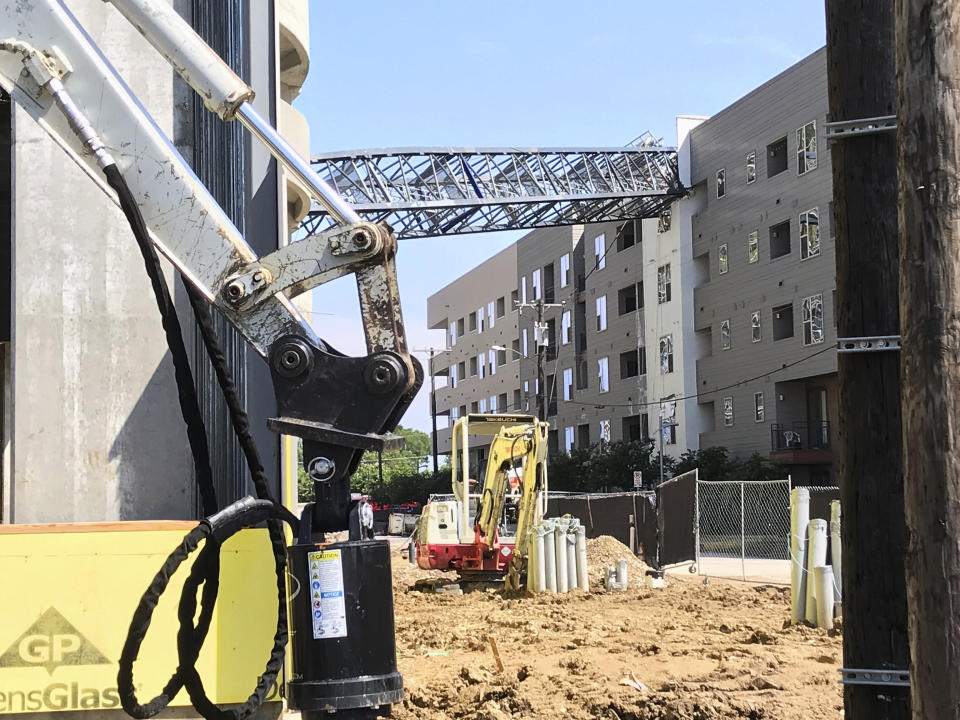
91,425
763,249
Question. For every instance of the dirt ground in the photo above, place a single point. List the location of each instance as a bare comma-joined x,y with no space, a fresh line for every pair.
688,651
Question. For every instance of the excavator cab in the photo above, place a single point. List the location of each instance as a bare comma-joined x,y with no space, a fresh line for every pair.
482,530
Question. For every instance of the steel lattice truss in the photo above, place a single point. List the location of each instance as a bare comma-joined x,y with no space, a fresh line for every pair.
424,192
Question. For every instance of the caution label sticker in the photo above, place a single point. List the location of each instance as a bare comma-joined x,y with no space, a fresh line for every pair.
328,606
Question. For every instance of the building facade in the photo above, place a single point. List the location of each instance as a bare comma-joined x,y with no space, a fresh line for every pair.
763,242
91,425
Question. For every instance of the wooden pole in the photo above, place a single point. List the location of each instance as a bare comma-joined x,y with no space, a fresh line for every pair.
928,159
862,84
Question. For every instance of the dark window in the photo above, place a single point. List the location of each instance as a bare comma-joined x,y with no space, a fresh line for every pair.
472,321
780,240
473,407
551,339
582,379
783,322
629,364
463,410
502,402
776,157
551,386
461,370
501,307
627,299
640,294
548,295
583,436
514,299
634,428
501,358
460,327
473,366
515,345
516,399
552,443
627,236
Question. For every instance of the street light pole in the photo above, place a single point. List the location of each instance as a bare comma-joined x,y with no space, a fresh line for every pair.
433,416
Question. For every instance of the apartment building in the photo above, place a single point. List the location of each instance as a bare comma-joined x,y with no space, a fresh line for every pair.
762,243
479,370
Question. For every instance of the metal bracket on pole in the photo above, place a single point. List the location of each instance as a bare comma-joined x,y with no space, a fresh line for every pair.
863,126
858,676
875,343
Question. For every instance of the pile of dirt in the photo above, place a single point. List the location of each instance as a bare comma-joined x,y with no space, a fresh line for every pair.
605,551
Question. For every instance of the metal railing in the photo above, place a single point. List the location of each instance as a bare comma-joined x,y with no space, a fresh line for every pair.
800,436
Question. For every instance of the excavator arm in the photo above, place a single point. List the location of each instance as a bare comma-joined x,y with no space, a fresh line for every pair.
339,405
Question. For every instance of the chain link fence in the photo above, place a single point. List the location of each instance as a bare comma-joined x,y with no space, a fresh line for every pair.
743,529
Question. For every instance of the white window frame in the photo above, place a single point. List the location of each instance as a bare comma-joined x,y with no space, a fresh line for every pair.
600,251
721,183
526,347
453,376
725,339
564,270
568,439
666,354
523,290
603,373
483,405
758,407
753,247
537,286
492,357
810,308
751,167
565,328
453,335
601,313
723,259
756,329
809,234
728,411
807,147
491,312
664,289
480,324
568,384
493,403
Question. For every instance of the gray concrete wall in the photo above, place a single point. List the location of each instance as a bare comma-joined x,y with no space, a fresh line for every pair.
774,110
96,433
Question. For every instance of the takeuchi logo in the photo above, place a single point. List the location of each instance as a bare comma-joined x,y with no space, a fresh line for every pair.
51,641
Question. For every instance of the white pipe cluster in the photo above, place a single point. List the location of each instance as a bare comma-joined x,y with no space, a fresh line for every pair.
558,556
815,592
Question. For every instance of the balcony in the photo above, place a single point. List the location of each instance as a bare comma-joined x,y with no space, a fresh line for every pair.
801,443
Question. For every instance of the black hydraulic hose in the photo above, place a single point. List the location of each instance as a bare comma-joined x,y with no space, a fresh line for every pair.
186,390
206,567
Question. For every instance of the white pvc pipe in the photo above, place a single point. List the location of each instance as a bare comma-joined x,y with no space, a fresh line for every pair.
571,538
823,579
835,550
560,544
799,518
583,580
622,574
549,557
541,566
816,555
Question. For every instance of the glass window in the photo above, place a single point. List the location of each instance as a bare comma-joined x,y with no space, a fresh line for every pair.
807,147
663,222
605,430
724,334
600,250
722,257
809,233
602,313
755,326
523,289
536,285
753,246
663,284
482,364
565,329
568,437
721,182
501,306
728,412
525,348
453,335
480,324
473,366
751,166
813,320
483,405
604,374
564,270
490,313
758,407
453,376
492,357
472,321
493,403
568,384
666,354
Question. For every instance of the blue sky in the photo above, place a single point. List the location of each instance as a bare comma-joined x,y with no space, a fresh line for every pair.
537,73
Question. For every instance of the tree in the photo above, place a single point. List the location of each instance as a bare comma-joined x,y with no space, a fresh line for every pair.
714,463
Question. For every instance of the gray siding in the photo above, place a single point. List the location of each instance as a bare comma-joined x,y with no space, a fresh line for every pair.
774,110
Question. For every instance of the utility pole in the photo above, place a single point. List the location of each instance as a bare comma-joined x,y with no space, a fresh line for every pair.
928,162
862,85
433,417
541,340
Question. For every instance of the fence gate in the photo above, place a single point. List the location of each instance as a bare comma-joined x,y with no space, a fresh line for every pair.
743,529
